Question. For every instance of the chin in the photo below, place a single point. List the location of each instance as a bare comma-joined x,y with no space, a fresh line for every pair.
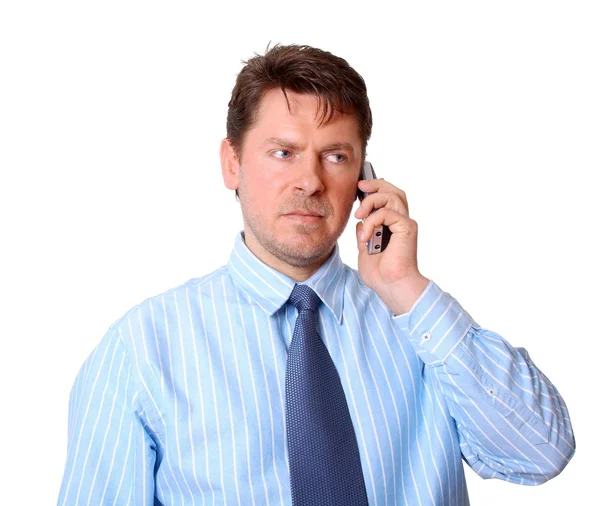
301,250
298,245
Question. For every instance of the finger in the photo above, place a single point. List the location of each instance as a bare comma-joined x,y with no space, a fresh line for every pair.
395,221
379,200
379,185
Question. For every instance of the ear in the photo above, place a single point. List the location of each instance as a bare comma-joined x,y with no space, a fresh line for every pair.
230,165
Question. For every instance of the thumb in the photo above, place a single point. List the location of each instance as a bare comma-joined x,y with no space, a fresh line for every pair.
362,245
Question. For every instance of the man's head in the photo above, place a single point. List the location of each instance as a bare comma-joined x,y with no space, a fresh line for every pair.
297,128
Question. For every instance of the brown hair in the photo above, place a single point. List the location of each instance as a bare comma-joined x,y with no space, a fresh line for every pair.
301,69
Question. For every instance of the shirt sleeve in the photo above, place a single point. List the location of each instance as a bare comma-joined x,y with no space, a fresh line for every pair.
512,422
111,454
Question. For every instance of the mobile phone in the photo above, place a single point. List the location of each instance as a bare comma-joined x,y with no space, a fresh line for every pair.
381,235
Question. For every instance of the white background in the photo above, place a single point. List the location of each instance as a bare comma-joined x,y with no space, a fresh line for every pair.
486,113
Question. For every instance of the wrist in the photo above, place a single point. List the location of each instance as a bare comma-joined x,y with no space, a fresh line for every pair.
403,294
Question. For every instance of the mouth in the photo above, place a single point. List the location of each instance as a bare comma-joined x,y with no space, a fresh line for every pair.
302,216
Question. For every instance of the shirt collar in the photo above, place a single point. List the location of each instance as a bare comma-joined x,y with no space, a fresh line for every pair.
271,289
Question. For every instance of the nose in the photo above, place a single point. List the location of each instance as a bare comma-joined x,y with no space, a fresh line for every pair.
309,176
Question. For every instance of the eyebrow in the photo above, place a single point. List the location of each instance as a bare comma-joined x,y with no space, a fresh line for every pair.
292,145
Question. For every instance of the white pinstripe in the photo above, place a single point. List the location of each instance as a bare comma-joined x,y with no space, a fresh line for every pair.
114,454
103,445
132,394
243,403
176,402
357,417
257,407
387,426
220,341
370,411
395,410
102,397
87,409
127,455
492,426
269,401
435,465
160,364
189,406
418,443
407,411
525,440
200,395
216,410
497,380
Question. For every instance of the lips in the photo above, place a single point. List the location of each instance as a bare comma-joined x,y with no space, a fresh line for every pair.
303,216
302,212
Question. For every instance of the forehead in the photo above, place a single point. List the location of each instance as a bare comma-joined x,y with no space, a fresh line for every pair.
304,112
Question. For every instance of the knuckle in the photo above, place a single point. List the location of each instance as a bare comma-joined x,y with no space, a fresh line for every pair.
407,226
412,226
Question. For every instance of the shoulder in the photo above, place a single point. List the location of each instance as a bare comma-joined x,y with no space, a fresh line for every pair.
151,317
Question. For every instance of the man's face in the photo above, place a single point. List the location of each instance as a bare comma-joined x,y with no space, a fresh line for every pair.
297,180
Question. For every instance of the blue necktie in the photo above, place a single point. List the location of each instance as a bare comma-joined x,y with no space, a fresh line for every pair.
323,452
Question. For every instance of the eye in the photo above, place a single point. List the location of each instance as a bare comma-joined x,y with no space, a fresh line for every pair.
337,157
283,154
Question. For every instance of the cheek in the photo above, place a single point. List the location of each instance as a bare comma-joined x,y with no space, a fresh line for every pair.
345,193
258,178
270,190
251,181
260,195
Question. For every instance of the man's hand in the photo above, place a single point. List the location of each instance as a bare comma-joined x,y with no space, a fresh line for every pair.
393,274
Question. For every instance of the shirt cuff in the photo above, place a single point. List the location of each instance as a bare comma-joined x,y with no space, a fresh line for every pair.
435,325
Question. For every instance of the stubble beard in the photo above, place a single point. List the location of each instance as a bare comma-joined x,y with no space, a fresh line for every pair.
300,254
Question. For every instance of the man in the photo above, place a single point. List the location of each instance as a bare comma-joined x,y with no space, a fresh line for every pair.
286,377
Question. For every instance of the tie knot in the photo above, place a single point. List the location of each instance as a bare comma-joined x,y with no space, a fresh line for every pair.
303,297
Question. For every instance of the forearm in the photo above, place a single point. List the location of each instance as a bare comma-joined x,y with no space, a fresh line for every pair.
512,422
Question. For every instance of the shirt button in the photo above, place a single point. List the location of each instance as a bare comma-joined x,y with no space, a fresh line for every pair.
426,337
491,391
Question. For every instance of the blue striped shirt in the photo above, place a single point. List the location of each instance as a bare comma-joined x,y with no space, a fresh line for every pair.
182,402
